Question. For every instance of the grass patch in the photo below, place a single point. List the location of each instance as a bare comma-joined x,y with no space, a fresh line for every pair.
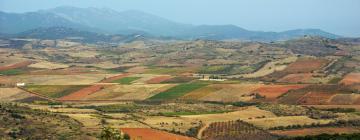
126,80
177,91
54,91
11,72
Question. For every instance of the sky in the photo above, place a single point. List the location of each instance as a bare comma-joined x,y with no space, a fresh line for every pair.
341,17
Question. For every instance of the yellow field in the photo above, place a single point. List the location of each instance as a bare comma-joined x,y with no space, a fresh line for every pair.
48,65
128,92
246,113
81,79
284,121
271,67
228,92
180,123
12,94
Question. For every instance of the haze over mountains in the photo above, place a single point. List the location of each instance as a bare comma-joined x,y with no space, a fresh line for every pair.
108,21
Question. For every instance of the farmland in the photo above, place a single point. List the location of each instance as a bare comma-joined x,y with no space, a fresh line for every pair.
198,89
177,91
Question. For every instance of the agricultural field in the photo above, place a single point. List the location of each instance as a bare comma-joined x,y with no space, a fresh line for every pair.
13,94
188,89
352,78
151,134
177,91
47,65
81,79
127,92
53,91
228,92
126,80
267,123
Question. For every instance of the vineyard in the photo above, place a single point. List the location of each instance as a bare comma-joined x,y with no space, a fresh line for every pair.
234,130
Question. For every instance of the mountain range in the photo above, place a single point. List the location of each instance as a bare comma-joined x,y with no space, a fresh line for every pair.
108,21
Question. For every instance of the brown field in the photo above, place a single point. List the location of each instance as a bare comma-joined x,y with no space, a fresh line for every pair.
13,94
315,98
291,97
266,123
351,78
80,79
316,131
271,92
16,65
82,93
152,134
345,99
229,92
127,92
305,65
296,78
159,79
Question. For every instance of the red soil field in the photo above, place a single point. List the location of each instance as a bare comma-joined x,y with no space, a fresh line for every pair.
305,65
151,134
271,92
110,79
351,78
315,98
16,65
80,94
157,80
296,78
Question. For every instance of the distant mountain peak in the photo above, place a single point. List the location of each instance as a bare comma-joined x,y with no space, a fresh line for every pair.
106,20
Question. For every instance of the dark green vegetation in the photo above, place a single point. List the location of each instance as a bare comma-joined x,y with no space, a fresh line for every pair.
19,122
177,91
11,72
116,108
54,91
126,80
109,133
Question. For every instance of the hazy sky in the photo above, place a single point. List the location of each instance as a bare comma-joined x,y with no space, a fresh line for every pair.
337,16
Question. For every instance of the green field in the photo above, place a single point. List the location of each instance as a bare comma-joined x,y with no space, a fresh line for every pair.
11,72
54,91
177,91
126,80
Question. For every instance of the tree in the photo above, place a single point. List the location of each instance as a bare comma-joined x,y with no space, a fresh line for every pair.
109,133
